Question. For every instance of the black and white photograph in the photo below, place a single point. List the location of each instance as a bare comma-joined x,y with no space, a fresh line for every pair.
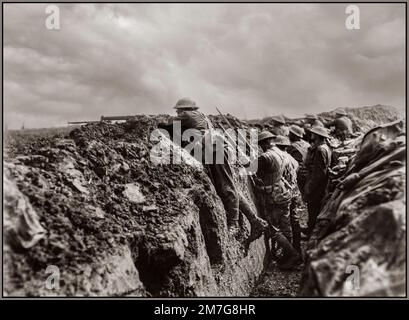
204,150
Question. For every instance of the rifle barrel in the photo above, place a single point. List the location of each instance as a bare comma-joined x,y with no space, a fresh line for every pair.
241,136
79,122
229,136
116,118
103,118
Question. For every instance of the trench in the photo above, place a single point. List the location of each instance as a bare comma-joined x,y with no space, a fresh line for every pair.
178,245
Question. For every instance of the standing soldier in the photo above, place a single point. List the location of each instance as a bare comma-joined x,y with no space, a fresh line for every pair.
298,150
290,174
311,120
221,174
272,170
299,147
342,124
317,167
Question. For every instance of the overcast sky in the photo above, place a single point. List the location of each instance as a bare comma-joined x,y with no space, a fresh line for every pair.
251,60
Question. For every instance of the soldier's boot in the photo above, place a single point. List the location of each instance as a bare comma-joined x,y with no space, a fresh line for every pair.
258,226
292,263
287,257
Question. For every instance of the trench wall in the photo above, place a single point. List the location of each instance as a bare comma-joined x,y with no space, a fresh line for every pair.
114,224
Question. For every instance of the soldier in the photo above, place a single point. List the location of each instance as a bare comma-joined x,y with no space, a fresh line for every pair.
299,147
317,173
279,127
313,121
342,124
272,171
296,203
298,150
220,174
281,142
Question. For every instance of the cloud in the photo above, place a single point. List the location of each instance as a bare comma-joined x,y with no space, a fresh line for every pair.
251,60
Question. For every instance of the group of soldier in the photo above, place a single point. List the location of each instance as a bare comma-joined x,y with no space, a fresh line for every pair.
292,171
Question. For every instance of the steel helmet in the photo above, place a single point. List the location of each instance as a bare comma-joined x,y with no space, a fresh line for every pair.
265,135
281,140
340,112
279,119
186,104
321,131
296,130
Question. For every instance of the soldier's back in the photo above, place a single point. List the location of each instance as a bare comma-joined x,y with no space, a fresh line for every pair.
273,167
299,150
194,119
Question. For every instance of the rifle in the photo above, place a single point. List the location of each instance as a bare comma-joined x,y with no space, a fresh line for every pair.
231,139
230,125
80,122
103,118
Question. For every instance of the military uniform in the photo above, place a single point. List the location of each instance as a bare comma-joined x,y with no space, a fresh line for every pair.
298,150
272,166
276,170
296,203
193,119
221,174
317,174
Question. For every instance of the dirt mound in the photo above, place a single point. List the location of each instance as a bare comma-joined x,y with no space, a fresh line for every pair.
366,118
358,246
363,118
227,120
118,224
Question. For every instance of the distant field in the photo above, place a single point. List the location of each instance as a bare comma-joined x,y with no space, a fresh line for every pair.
19,141
41,131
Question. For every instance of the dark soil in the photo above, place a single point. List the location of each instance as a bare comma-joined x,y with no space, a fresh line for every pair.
108,156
